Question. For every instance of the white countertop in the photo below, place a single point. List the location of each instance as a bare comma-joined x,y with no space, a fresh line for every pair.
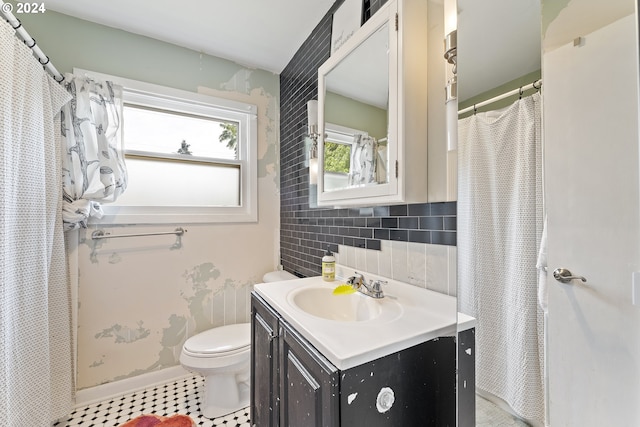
465,322
423,315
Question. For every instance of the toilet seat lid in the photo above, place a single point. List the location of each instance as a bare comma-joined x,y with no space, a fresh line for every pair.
223,339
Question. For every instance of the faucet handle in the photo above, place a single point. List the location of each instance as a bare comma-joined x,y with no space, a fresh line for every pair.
376,285
356,279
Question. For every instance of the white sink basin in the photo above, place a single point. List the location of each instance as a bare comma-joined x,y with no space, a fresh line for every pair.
355,307
353,329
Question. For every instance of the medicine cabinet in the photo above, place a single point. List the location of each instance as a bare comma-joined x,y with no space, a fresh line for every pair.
372,111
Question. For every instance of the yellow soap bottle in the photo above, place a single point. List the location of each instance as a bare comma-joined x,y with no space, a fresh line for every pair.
328,267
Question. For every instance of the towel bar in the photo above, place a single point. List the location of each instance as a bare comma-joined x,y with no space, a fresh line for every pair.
101,234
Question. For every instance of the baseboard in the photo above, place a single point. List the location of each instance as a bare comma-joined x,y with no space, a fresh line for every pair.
102,392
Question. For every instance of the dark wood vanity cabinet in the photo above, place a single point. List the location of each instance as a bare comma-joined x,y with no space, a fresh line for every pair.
293,385
467,378
309,384
264,365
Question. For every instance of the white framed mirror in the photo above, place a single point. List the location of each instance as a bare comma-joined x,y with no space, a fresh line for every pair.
357,114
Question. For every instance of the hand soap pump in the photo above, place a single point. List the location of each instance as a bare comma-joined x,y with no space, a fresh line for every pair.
328,267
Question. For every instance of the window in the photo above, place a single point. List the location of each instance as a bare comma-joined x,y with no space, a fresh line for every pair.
338,143
190,157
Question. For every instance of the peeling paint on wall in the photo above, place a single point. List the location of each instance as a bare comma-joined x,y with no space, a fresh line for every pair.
201,300
550,11
97,363
124,334
177,293
172,340
243,87
197,279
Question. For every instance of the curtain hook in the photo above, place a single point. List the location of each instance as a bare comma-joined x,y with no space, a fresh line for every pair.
539,82
521,92
475,110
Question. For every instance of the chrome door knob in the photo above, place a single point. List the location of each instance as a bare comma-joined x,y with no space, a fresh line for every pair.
565,276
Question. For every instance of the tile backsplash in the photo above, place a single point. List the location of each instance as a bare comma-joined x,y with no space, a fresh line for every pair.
427,266
425,232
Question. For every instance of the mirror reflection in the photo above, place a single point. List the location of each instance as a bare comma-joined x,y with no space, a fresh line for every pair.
356,111
353,158
497,285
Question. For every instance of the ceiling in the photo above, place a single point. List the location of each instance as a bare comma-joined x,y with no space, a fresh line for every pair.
499,40
261,34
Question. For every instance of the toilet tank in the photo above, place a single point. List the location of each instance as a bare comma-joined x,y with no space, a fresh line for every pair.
278,276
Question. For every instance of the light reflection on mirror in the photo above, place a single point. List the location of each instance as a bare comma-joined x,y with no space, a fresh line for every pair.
356,114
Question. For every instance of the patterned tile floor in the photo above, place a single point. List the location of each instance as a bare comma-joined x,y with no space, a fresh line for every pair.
183,397
179,397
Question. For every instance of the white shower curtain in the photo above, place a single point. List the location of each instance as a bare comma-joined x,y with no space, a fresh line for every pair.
36,375
500,218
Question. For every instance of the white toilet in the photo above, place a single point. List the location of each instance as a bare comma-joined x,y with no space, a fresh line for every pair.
222,356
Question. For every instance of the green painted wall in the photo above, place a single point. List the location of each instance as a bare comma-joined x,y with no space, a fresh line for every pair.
550,11
513,84
72,42
344,111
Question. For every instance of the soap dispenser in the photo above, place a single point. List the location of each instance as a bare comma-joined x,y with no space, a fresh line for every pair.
328,267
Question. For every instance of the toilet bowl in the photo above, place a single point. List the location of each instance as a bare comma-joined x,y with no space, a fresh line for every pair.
222,356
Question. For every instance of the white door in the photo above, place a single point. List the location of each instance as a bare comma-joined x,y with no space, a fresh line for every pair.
593,206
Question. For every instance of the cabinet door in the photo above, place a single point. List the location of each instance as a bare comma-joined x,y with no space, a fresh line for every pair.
264,362
309,384
413,387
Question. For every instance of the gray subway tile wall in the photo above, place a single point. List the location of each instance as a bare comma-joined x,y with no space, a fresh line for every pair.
306,232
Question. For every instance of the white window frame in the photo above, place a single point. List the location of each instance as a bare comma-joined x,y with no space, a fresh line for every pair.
156,96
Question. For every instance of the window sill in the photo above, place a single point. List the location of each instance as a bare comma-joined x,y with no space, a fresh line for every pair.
121,215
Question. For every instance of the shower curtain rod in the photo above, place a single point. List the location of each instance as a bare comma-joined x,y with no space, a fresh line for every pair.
5,11
535,85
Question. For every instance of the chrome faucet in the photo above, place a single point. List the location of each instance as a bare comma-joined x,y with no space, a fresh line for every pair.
373,289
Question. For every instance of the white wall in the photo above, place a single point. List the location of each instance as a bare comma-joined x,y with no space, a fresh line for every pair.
138,300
